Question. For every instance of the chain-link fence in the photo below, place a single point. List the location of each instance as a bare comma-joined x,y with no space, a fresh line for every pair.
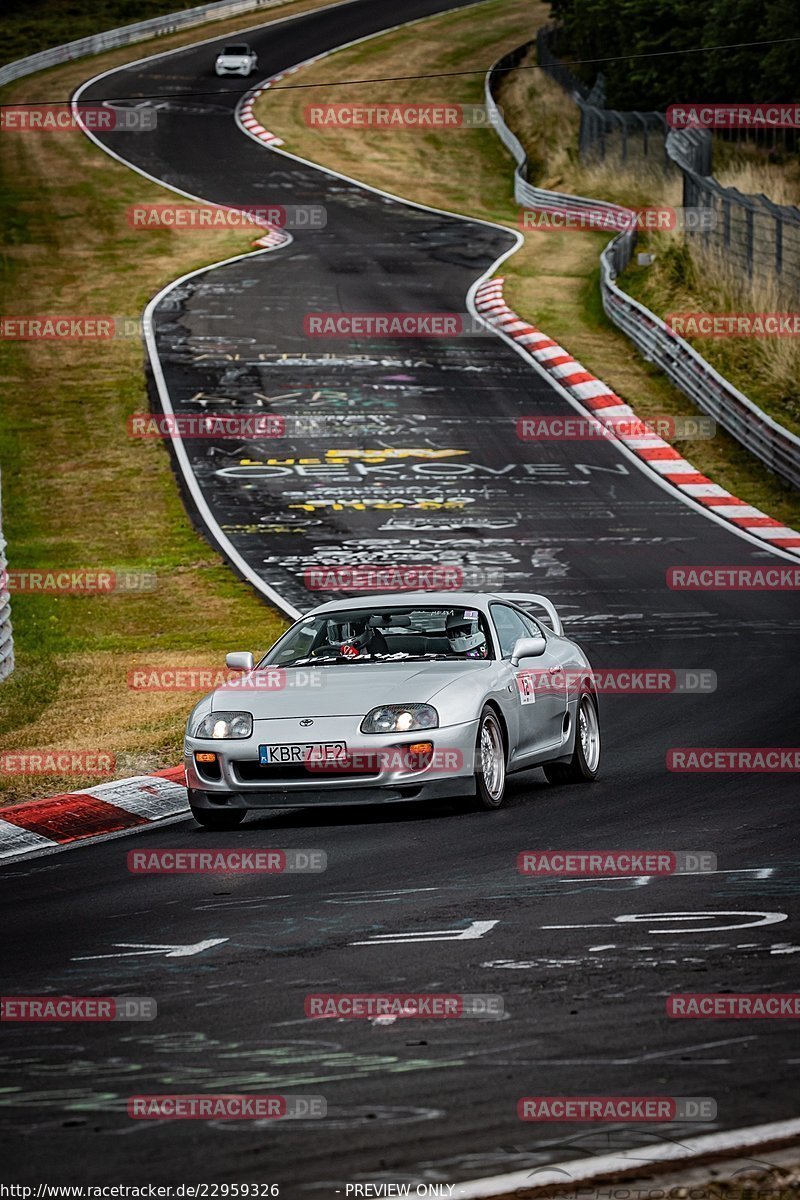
752,235
605,132
756,239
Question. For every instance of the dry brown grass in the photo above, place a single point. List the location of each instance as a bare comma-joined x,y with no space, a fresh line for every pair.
766,369
751,170
407,161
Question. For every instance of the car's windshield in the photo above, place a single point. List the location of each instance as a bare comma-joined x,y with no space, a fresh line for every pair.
236,50
393,634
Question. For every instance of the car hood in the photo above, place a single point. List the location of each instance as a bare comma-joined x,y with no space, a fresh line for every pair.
345,690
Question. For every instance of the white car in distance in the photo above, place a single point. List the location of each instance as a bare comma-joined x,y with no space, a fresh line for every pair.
238,59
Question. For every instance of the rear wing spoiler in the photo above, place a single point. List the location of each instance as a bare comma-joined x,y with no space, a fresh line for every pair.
526,600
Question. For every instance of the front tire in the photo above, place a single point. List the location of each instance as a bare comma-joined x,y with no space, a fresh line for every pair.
585,761
490,763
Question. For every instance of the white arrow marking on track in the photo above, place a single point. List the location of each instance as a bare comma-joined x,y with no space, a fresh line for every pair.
475,929
152,948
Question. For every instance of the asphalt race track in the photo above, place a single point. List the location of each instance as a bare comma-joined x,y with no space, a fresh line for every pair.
584,991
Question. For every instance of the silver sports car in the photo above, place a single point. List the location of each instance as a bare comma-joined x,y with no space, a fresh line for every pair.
410,696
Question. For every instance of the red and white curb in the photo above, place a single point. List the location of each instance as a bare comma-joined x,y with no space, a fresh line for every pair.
114,807
245,113
273,238
254,127
608,408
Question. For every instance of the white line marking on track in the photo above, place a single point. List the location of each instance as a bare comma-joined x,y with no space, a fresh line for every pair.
765,918
627,1162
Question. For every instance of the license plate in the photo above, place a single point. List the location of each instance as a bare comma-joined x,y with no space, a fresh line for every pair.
301,752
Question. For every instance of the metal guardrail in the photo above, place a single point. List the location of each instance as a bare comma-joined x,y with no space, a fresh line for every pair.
127,35
778,448
6,639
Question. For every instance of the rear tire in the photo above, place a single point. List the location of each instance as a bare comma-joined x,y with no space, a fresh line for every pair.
490,763
585,761
222,818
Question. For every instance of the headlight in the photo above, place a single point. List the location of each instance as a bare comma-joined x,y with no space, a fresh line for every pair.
400,718
223,725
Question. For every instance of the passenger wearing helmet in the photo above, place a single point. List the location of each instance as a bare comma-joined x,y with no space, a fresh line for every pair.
465,635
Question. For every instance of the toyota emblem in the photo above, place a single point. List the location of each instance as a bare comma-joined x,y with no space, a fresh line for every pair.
306,721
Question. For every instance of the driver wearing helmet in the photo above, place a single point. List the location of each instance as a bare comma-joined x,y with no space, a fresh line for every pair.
465,635
367,638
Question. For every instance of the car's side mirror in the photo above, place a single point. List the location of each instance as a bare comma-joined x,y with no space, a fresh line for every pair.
527,647
241,660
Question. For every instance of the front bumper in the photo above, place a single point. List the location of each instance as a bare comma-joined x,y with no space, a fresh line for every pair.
438,789
243,70
238,784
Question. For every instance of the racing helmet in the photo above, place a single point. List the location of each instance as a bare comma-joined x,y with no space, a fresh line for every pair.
464,632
